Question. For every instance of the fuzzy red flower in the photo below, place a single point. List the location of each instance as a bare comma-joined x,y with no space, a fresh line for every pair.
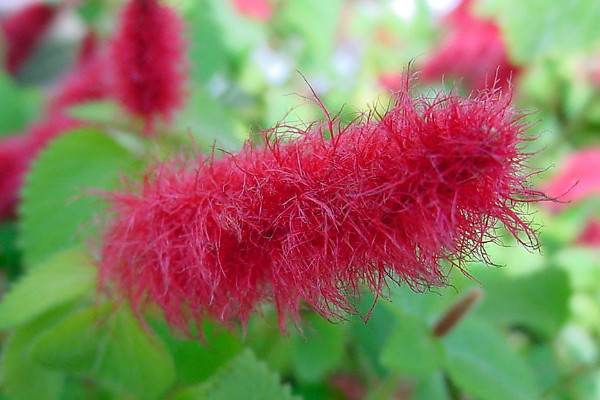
23,30
261,10
473,50
577,178
147,60
590,236
314,220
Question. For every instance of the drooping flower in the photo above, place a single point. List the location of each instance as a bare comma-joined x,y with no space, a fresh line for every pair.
576,179
87,81
314,220
148,60
473,51
261,10
23,30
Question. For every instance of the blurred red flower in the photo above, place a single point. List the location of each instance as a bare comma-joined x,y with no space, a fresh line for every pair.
577,178
23,30
314,220
590,236
260,10
473,50
148,60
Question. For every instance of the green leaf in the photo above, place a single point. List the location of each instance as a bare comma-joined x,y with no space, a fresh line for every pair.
13,117
582,266
319,350
480,362
411,348
111,347
197,360
61,279
539,301
21,377
432,387
244,378
58,206
208,56
548,27
103,112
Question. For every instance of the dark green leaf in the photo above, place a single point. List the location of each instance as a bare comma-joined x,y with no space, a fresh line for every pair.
61,279
58,206
480,362
111,347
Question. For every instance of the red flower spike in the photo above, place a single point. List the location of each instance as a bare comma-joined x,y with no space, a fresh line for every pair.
314,220
473,50
148,61
590,236
23,30
576,180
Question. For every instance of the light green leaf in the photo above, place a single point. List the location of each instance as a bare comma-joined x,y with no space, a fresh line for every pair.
111,347
411,348
61,279
319,350
103,112
480,362
539,301
548,27
244,378
58,206
13,117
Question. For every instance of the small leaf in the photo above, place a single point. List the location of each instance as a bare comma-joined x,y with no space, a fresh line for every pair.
111,347
57,206
411,348
103,112
432,387
61,279
244,378
480,362
13,117
319,351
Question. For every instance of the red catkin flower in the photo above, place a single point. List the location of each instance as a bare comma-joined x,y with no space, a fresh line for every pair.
576,179
473,51
23,30
314,220
148,61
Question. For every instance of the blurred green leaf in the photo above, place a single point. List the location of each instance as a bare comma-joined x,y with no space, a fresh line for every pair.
411,348
480,362
58,205
432,387
21,377
582,266
539,301
13,117
244,378
207,53
319,350
548,27
102,112
61,279
111,347
196,360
